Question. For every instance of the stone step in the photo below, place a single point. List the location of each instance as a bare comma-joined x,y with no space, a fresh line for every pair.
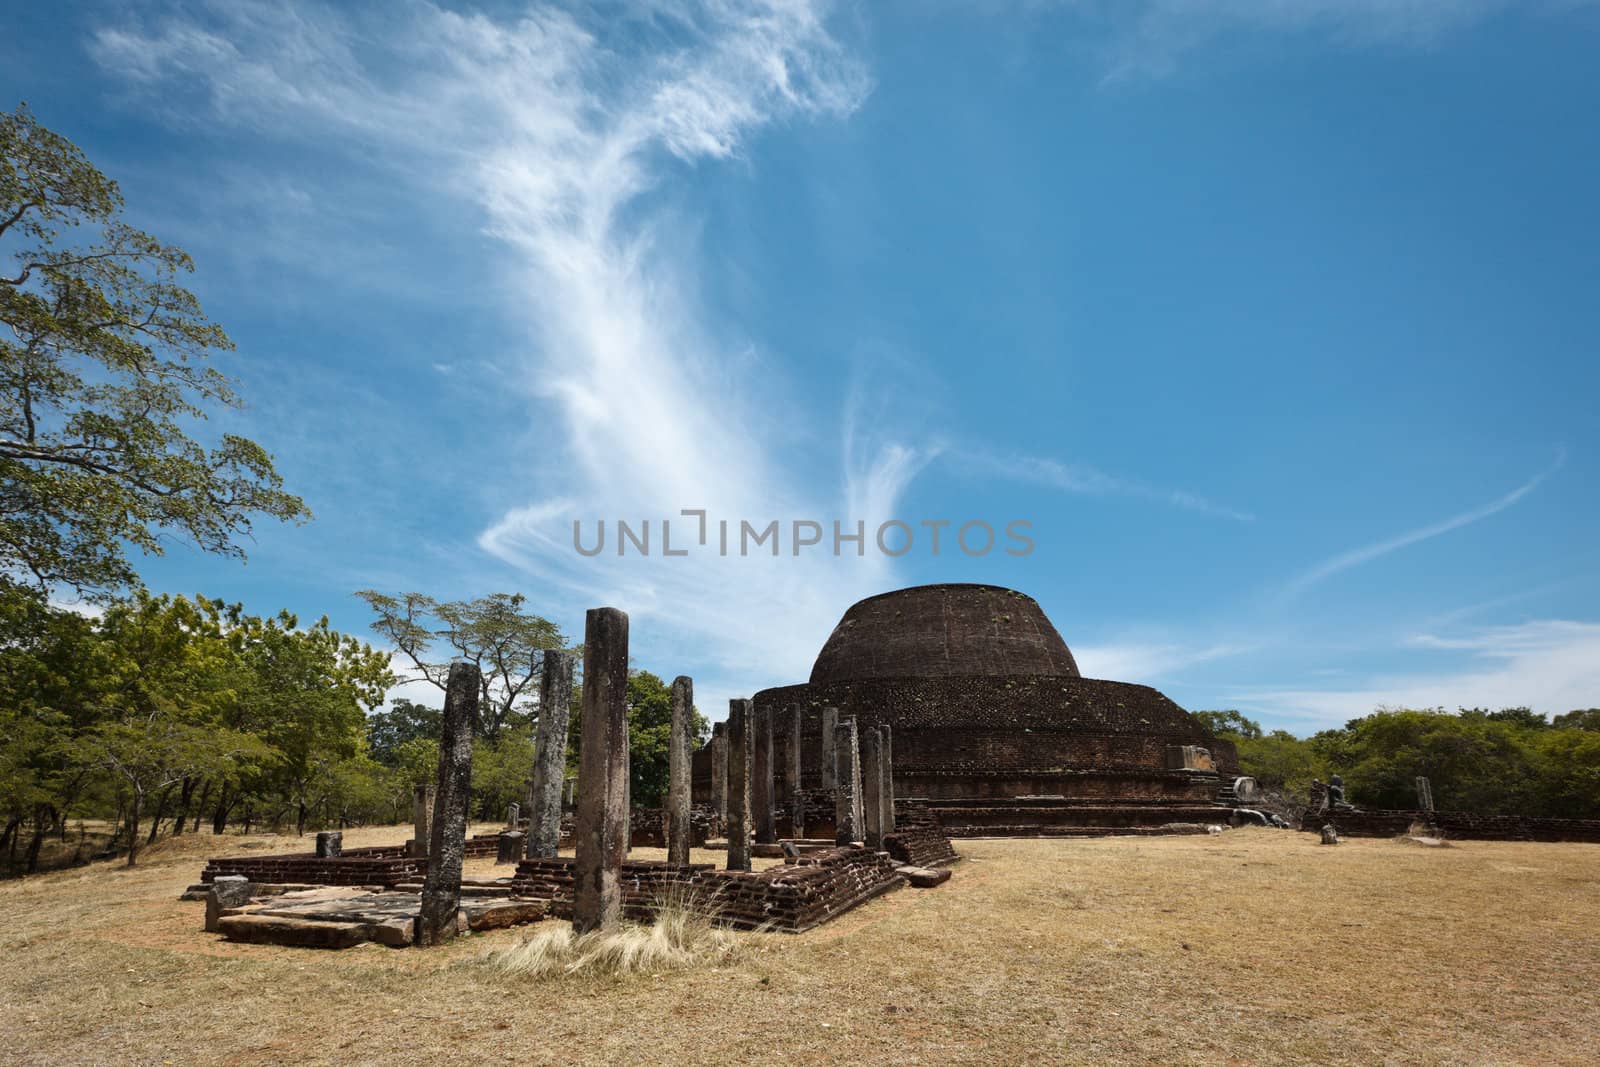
924,877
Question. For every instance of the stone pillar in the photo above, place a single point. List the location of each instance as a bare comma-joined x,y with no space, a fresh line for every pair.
741,748
447,844
719,770
513,815
872,787
422,820
330,843
888,778
761,781
791,775
569,793
830,748
550,755
847,772
509,849
1424,794
602,773
679,754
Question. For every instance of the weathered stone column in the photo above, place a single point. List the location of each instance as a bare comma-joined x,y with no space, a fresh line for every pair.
1424,794
791,775
847,772
761,781
422,820
550,754
719,770
679,754
740,755
330,844
513,815
830,748
602,773
447,843
872,787
569,793
627,794
888,778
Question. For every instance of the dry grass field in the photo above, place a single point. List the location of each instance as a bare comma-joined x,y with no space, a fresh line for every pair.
1255,947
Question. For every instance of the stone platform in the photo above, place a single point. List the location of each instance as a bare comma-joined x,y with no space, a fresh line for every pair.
341,917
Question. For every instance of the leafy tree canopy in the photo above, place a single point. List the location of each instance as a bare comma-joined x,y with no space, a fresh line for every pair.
103,371
493,632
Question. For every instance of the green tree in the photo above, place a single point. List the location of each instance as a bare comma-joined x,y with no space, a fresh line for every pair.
103,359
1229,723
493,632
1582,719
404,720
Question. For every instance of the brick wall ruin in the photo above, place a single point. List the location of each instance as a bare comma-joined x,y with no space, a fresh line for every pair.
791,897
1466,825
385,865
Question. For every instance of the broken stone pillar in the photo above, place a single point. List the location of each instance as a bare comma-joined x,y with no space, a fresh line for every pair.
602,774
227,891
761,780
719,770
447,845
330,844
1330,836
791,776
422,819
830,726
872,787
550,755
509,849
513,815
569,793
1424,794
679,753
741,753
888,778
847,773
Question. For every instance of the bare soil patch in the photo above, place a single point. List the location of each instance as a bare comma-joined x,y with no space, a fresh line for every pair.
1256,946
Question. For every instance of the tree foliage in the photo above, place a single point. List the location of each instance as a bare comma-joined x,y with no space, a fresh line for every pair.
504,642
103,370
163,705
1510,761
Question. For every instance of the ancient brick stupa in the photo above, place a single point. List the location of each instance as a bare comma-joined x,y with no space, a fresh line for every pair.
993,725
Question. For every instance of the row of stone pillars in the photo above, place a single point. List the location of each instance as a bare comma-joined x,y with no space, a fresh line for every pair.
856,763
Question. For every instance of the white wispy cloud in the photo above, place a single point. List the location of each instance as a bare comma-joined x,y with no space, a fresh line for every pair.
1083,478
1367,553
1551,665
1148,662
561,127
1150,38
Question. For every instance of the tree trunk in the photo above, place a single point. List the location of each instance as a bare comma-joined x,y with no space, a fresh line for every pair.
219,820
200,806
185,795
40,827
8,838
161,813
300,819
133,827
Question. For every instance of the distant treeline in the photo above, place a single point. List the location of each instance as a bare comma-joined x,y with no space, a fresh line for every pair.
1513,761
163,714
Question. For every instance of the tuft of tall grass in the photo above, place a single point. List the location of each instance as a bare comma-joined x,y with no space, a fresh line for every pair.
682,936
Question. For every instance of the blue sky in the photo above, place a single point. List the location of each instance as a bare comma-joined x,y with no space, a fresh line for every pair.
1275,321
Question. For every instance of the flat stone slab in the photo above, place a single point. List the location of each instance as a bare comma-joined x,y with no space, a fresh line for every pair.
389,918
303,933
924,877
